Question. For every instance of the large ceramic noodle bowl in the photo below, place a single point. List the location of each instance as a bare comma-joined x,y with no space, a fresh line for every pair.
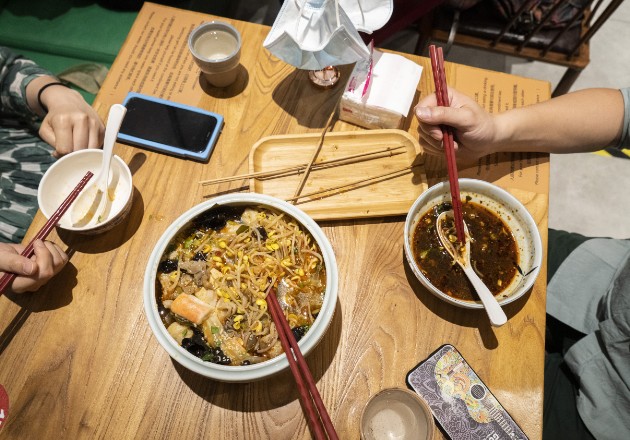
506,250
208,277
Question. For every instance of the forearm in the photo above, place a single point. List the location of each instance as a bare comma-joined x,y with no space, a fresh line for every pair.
582,121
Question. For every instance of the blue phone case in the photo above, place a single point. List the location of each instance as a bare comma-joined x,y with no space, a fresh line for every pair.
203,155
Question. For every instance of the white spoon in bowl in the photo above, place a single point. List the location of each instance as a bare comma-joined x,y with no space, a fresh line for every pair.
461,254
93,199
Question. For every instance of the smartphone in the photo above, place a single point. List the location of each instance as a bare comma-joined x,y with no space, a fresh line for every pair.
169,127
460,401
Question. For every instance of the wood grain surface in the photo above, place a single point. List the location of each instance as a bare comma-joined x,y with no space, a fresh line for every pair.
79,361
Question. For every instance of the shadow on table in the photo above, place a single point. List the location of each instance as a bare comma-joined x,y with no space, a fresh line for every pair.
226,92
475,318
45,299
267,394
309,104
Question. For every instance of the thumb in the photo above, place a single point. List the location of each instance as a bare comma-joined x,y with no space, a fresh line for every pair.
454,117
17,264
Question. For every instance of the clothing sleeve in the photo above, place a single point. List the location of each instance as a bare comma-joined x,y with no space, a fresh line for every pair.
16,72
624,141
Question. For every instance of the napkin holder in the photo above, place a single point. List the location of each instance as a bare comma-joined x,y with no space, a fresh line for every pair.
386,100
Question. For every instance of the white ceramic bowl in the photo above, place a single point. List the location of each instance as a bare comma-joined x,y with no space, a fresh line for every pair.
64,175
246,373
397,413
509,209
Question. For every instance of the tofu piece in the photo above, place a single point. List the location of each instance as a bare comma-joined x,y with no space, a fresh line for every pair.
179,332
191,308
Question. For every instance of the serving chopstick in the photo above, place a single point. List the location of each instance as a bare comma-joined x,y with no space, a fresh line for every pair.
8,277
316,415
441,92
282,172
357,183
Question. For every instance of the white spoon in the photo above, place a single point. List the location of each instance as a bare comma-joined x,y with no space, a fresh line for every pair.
462,256
91,203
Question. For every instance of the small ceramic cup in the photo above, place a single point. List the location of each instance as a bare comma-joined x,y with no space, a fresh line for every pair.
216,48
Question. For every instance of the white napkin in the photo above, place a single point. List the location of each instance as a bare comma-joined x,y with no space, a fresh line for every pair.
392,85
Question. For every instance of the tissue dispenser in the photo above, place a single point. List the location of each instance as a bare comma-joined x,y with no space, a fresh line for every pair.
387,99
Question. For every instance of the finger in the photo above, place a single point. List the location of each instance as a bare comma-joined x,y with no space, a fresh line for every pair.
96,134
80,133
47,133
59,256
63,135
44,259
428,101
455,117
17,264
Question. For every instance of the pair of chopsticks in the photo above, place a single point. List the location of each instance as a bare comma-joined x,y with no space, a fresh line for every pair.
316,415
441,92
8,277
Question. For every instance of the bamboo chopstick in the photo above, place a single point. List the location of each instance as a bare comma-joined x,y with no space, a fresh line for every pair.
352,185
282,172
441,92
8,277
307,170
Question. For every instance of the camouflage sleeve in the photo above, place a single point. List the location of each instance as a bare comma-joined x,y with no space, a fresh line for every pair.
16,72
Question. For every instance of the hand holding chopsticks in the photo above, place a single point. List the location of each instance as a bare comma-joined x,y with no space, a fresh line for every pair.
441,92
321,425
8,277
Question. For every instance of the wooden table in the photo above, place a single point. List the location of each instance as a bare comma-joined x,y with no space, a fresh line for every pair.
78,359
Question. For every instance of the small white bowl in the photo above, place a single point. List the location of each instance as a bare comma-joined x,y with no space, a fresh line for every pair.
397,413
64,175
509,209
246,373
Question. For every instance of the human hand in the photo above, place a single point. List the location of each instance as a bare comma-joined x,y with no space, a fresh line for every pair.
47,261
71,123
474,129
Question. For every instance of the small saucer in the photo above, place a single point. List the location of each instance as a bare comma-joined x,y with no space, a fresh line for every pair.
396,413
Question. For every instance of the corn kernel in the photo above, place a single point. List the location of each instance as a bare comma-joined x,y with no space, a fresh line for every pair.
243,286
246,258
229,254
217,259
275,246
238,318
236,325
300,272
286,262
206,248
222,244
219,264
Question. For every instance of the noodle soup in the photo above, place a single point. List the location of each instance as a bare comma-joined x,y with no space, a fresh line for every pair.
214,276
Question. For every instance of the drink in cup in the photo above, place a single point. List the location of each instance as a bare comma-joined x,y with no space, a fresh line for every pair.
216,48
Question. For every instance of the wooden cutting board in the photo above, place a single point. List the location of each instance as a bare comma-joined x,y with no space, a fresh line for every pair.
343,196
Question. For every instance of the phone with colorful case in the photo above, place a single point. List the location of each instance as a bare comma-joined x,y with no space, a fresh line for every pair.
460,401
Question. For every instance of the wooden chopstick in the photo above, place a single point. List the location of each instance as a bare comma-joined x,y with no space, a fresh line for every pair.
282,172
351,185
316,415
8,277
441,92
307,170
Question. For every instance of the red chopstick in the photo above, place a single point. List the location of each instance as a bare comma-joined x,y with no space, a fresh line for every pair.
301,373
441,92
8,277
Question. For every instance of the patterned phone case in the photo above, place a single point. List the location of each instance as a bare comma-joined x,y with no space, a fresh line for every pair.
459,400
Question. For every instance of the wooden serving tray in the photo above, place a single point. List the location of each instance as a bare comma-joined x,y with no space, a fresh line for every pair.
385,196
